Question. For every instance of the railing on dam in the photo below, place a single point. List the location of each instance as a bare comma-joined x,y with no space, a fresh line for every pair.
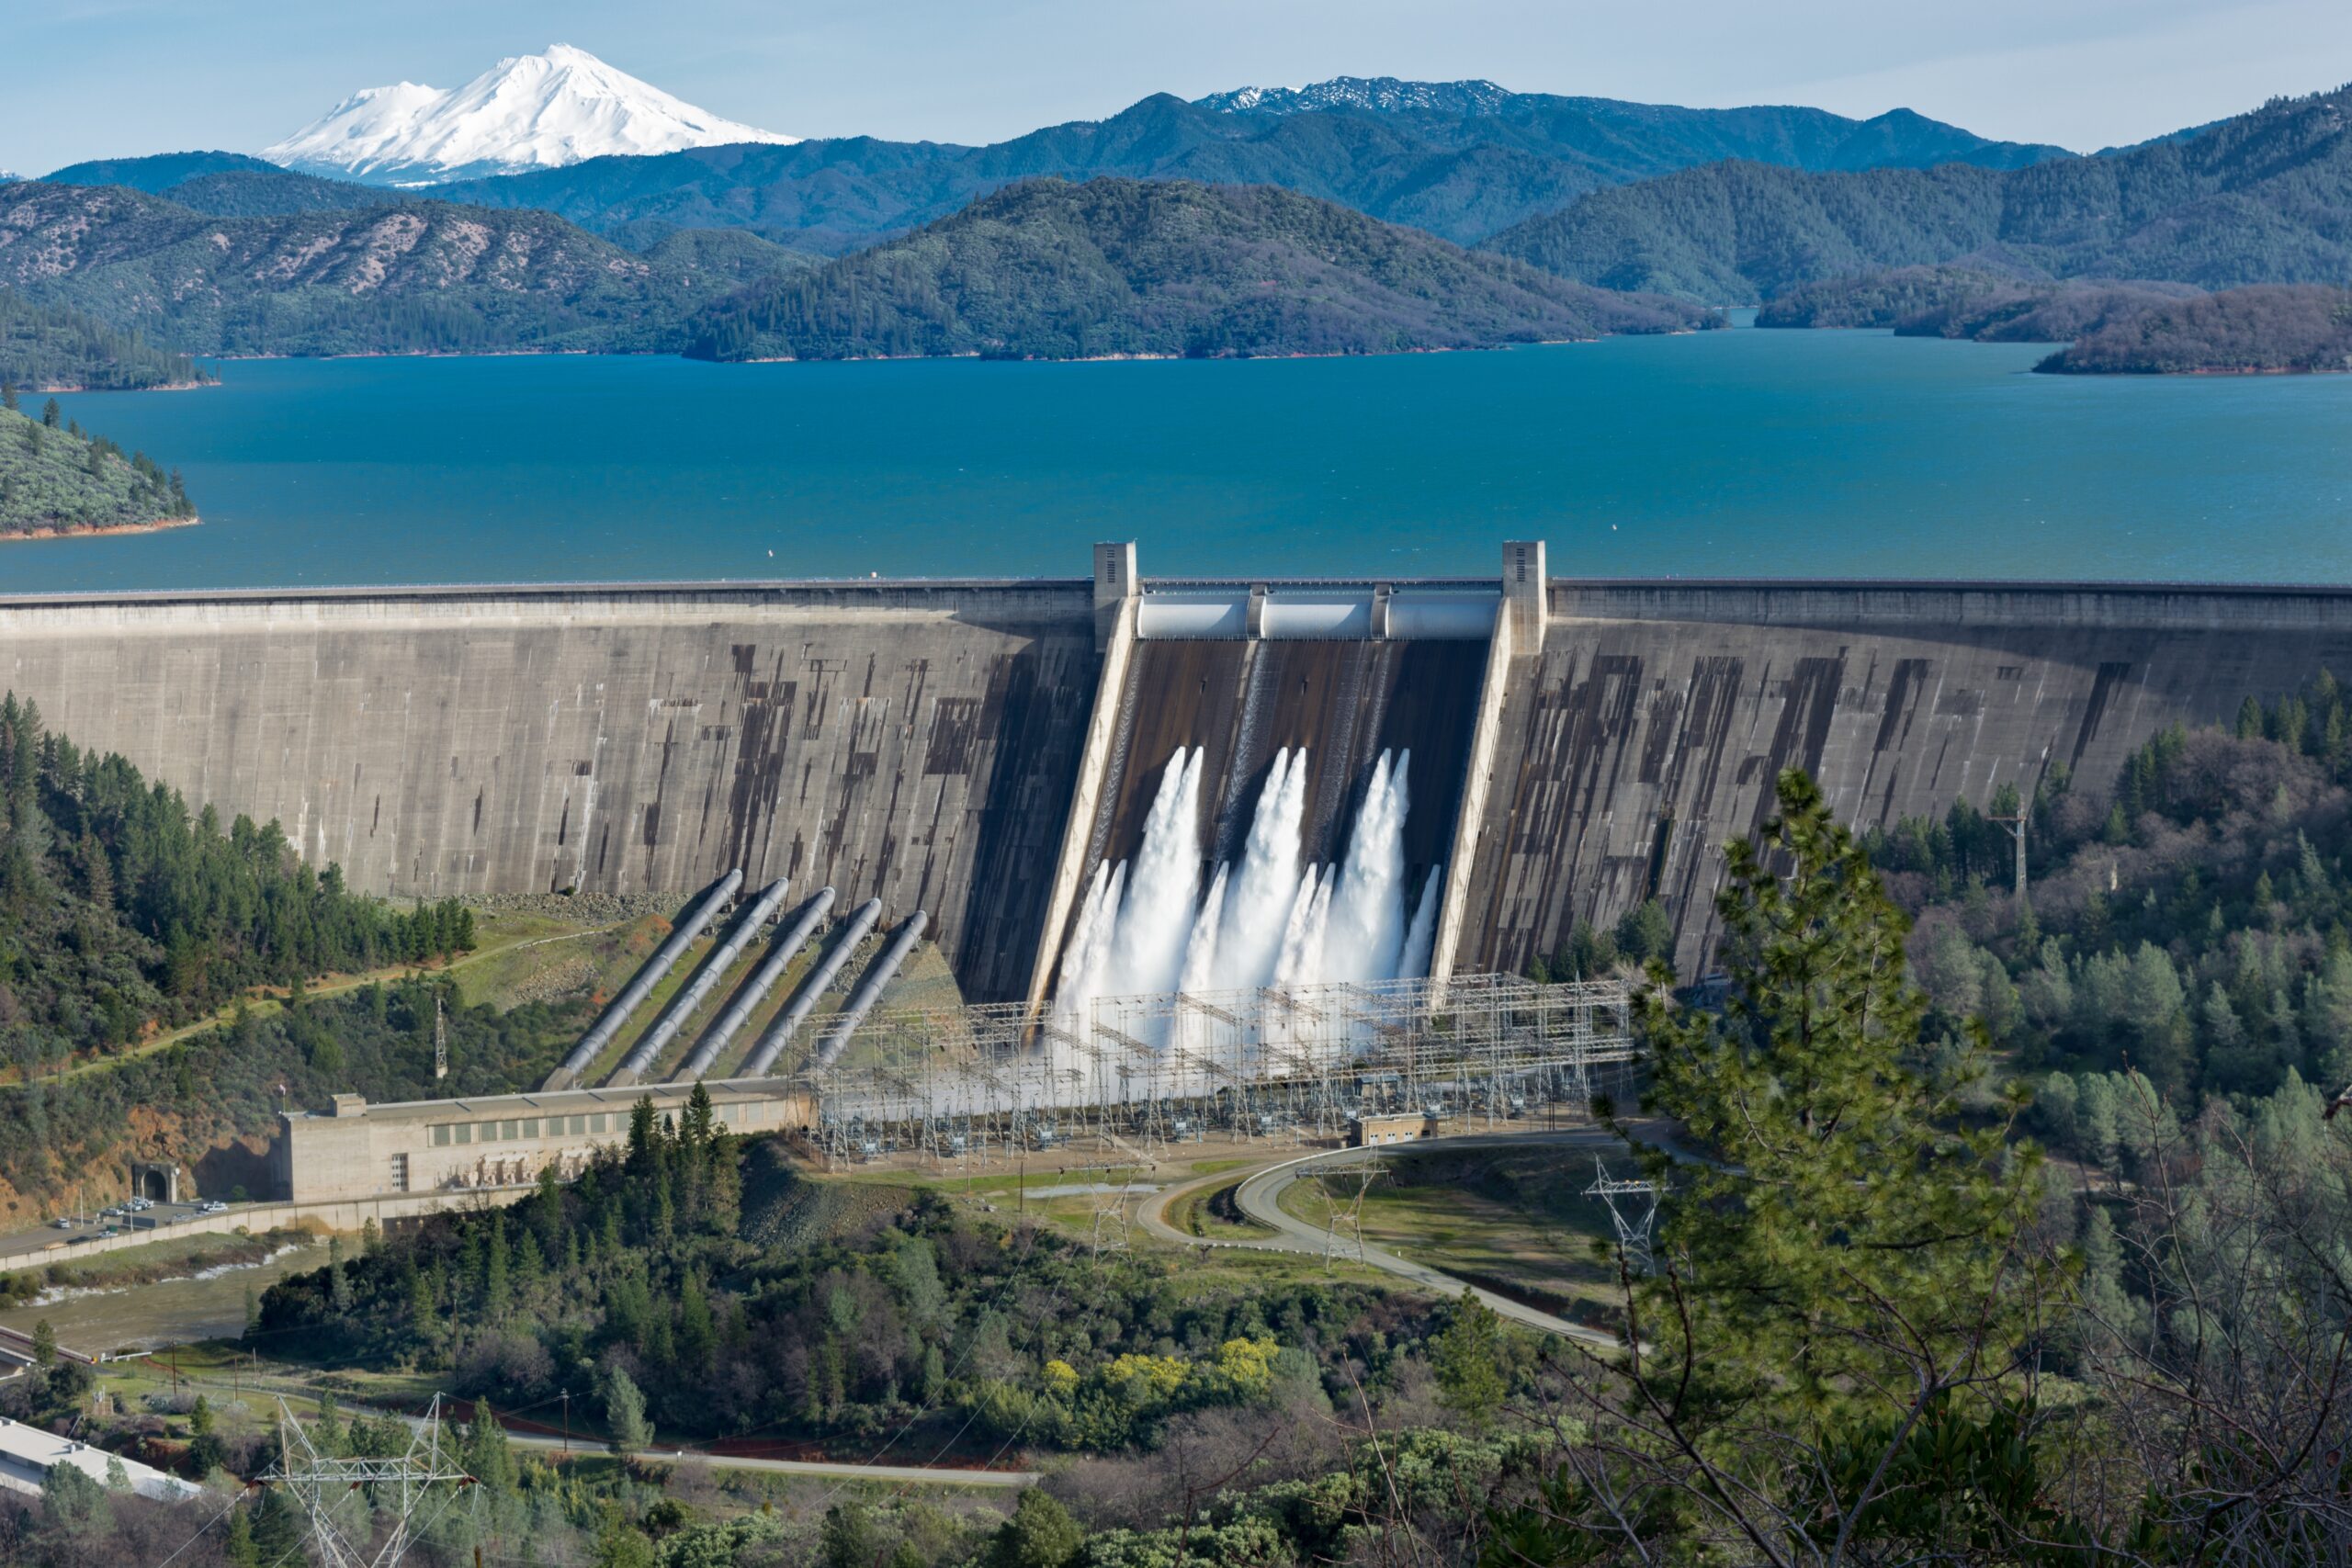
1291,612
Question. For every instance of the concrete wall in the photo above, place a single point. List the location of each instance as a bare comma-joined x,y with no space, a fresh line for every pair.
1649,730
912,743
919,743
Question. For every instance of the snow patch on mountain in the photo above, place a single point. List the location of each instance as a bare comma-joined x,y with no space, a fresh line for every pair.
1382,94
534,111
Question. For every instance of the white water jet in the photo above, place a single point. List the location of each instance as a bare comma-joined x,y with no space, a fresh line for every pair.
1366,930
1420,937
1156,917
1252,936
1087,959
1300,962
1202,954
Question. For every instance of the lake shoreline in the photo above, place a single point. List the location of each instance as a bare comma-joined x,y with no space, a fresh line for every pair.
88,531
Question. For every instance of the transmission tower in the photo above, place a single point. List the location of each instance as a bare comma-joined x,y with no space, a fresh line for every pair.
1113,1189
440,1040
1636,1216
1343,1225
416,1487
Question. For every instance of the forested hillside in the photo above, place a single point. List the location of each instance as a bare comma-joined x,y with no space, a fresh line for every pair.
56,479
1462,168
1055,271
124,913
1963,301
49,348
2259,198
418,276
2237,331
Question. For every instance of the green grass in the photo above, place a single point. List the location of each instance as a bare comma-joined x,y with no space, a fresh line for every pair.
1514,1220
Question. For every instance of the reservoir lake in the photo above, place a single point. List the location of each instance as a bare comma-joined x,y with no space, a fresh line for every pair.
1739,453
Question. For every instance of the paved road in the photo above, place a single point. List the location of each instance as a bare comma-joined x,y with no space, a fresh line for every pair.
1260,1194
846,1470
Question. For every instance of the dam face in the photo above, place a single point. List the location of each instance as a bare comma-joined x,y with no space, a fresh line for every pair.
915,745
1649,730
978,750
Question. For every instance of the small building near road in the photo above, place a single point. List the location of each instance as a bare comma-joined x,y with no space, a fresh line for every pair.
29,1453
1403,1127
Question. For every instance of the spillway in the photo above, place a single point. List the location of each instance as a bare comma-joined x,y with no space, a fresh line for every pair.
681,936
1274,812
778,1035
649,1045
755,989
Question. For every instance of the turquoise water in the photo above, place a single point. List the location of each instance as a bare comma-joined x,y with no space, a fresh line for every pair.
1746,452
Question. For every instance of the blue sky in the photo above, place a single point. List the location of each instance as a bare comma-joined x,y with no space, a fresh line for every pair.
91,78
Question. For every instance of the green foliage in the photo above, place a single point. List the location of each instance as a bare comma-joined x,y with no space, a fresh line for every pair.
1049,270
1467,1360
1040,1534
651,1281
56,481
1851,1198
48,348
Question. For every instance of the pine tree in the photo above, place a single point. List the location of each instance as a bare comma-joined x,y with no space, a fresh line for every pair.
625,1413
1852,1258
1467,1358
489,1454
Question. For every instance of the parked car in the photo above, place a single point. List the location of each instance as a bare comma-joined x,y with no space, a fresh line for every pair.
62,1224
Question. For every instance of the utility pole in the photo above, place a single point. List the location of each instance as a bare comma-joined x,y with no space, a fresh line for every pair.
1637,1221
414,1489
567,1423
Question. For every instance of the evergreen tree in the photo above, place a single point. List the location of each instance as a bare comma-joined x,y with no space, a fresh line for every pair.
1467,1358
625,1413
239,1546
488,1456
1850,1262
1040,1534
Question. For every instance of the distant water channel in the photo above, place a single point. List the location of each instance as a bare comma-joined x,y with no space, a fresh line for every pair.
1745,452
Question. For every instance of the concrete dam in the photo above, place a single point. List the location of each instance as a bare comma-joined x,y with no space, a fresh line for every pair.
981,751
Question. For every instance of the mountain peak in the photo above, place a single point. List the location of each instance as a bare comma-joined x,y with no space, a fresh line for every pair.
528,111
1380,95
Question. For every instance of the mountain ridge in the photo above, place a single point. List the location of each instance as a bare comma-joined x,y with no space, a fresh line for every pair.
1161,269
2261,198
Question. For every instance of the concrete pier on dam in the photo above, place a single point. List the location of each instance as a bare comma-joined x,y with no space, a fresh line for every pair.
978,750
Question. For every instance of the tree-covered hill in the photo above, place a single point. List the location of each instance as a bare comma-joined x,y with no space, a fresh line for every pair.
1051,270
2259,198
1966,300
51,348
124,912
2239,330
55,479
1462,168
415,276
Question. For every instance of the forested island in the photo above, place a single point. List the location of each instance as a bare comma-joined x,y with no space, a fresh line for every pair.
56,478
1123,268
2274,329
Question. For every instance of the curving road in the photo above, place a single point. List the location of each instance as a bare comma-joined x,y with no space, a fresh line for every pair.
1259,1197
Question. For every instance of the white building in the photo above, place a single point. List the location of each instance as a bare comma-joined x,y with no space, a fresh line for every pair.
27,1454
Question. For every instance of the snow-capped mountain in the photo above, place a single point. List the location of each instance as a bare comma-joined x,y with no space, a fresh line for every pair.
1384,95
535,111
